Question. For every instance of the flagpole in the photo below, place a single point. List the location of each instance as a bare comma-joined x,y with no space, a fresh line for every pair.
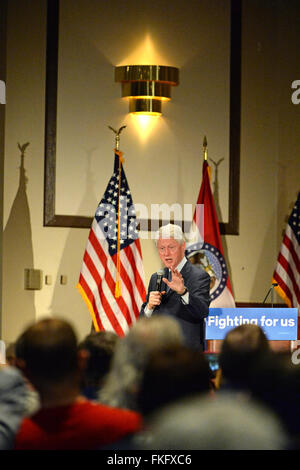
121,160
205,156
205,148
212,343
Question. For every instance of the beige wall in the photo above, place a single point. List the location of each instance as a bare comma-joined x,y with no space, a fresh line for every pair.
3,11
288,168
270,155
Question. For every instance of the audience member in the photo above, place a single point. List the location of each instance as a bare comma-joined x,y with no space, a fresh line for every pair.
32,402
247,363
276,383
100,348
12,404
172,374
148,334
241,350
223,422
66,420
10,354
150,376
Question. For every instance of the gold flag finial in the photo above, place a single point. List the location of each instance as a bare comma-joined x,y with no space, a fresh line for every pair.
117,132
205,148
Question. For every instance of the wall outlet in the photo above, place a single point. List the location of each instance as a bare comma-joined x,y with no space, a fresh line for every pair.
48,280
33,279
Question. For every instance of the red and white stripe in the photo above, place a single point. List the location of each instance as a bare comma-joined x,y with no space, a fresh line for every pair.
287,270
98,279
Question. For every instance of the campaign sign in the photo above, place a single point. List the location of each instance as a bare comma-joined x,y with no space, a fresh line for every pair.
277,323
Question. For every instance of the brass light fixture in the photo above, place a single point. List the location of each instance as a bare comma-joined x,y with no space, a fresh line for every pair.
146,86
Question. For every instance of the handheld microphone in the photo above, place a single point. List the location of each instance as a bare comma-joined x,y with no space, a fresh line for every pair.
160,274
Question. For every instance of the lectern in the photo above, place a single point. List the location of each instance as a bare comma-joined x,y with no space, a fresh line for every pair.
278,324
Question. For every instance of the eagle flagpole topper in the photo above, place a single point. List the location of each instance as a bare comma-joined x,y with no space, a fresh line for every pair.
117,133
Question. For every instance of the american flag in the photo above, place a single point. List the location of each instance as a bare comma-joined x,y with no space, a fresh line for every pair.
287,270
111,280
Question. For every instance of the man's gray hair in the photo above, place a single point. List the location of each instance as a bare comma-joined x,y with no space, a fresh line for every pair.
132,351
170,231
228,422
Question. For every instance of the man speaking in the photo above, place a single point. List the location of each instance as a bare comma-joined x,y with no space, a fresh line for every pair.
180,290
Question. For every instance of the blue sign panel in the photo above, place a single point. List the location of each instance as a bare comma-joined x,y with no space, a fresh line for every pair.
277,323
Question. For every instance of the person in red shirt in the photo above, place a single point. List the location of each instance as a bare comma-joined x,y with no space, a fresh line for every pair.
47,353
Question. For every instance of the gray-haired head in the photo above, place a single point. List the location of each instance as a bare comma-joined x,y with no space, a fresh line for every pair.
132,351
170,231
228,422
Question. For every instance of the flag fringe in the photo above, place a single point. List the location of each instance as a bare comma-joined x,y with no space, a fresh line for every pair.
282,294
89,306
118,289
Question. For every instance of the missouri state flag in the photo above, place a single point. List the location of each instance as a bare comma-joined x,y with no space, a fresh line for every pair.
204,246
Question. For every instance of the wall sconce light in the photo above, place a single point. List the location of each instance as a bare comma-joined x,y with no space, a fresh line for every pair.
146,86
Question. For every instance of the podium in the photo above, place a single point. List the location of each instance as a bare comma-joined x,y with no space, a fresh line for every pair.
279,325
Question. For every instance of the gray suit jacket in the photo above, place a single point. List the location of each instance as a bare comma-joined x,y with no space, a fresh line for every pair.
190,316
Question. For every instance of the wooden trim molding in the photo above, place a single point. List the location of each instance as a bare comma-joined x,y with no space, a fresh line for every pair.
51,219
